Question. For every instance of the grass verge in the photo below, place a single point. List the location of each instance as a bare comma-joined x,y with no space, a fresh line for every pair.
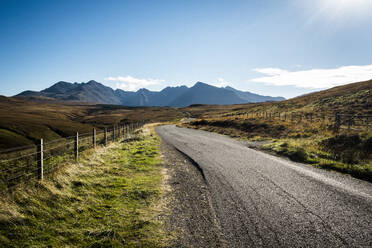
301,142
310,151
111,198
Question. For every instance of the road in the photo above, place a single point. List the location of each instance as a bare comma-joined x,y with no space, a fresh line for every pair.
262,200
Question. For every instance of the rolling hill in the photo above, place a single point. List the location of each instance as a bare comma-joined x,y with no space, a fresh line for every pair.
354,98
25,120
181,96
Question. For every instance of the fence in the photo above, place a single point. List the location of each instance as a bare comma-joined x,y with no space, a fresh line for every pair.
338,120
42,159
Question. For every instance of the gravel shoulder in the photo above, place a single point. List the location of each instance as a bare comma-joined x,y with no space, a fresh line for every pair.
191,218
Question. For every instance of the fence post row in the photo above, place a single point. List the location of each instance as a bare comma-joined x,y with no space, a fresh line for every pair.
123,130
40,160
76,147
94,138
105,136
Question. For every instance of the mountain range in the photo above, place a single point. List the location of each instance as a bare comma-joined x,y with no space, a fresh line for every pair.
180,96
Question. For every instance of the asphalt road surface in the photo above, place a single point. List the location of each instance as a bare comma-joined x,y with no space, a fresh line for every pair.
265,201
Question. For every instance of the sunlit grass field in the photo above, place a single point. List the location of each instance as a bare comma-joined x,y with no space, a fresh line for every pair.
110,198
310,140
314,143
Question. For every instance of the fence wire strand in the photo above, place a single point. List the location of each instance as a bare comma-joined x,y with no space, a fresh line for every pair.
24,166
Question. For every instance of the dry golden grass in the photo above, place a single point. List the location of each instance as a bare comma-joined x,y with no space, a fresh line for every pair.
24,121
302,139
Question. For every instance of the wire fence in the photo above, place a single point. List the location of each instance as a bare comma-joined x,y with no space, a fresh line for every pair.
338,121
20,164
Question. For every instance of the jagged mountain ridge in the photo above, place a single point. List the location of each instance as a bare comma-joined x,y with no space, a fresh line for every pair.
179,96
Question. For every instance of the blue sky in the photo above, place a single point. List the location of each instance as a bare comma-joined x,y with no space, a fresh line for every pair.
271,47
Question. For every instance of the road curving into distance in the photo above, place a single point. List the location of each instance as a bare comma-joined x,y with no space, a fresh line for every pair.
265,201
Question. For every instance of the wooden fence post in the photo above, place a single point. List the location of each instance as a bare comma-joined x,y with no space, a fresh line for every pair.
119,131
76,147
40,160
311,117
105,136
94,138
113,133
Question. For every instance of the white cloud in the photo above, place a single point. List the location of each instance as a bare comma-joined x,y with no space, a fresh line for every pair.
130,83
270,71
221,83
315,78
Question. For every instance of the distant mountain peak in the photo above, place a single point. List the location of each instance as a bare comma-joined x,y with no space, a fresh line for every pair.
179,96
62,82
201,84
60,87
93,82
142,90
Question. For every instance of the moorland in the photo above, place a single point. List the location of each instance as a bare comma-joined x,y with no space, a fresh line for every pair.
301,128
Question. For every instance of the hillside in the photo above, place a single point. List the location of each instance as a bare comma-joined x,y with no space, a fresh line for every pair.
180,96
285,128
354,98
23,121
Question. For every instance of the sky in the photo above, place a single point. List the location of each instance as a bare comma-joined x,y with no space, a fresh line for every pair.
270,47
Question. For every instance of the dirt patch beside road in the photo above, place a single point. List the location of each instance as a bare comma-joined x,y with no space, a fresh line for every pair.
191,219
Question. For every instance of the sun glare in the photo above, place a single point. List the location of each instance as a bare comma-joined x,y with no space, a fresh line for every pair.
346,5
339,10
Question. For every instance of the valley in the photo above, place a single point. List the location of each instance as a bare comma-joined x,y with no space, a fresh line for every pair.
141,163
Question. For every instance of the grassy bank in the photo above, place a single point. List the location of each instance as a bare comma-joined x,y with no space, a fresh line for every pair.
111,198
313,151
311,143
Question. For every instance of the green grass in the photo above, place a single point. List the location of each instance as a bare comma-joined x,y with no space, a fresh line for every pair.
111,198
304,142
12,139
310,150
